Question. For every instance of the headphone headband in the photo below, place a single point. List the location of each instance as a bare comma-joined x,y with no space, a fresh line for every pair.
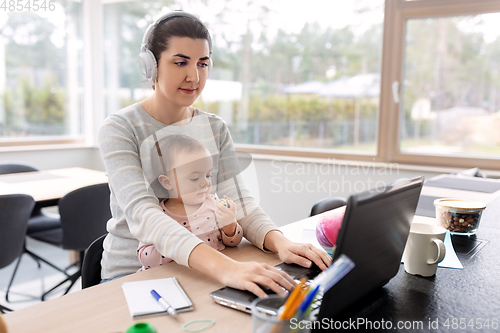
177,13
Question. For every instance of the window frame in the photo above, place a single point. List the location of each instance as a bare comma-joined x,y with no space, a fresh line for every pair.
399,11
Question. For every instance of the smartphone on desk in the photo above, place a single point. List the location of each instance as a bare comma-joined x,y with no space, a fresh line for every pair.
241,299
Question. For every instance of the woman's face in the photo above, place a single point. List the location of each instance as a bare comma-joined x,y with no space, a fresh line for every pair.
183,70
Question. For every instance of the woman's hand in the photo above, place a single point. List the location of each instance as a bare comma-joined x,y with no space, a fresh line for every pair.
241,275
252,276
301,254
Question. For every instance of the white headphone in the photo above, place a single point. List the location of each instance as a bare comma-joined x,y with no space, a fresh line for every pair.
147,60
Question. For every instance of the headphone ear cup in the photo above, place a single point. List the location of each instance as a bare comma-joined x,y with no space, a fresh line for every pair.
210,66
148,65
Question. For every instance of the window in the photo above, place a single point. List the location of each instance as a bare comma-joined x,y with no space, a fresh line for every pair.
40,73
285,75
441,86
123,28
309,76
451,86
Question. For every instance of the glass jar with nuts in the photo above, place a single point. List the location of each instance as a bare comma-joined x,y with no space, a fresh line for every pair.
459,216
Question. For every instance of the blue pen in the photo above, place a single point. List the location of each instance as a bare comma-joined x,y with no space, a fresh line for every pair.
171,311
309,298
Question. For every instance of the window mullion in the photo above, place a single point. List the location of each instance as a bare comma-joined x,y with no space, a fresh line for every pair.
93,103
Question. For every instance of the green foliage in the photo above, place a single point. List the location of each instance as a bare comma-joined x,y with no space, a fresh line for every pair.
44,105
28,41
34,110
308,108
447,65
295,58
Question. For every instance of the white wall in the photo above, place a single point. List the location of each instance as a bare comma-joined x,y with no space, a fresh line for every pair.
45,159
287,189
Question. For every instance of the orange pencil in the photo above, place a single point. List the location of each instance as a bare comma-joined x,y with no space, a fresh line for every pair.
292,308
292,297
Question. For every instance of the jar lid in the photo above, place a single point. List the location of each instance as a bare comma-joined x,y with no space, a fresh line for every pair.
459,203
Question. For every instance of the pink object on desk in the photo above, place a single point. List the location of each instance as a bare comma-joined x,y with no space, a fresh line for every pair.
328,228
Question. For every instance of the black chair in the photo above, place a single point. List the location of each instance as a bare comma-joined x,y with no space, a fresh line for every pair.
7,168
84,213
15,210
336,202
91,268
327,204
38,221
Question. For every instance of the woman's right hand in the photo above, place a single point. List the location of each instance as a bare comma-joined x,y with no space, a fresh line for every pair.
252,276
248,275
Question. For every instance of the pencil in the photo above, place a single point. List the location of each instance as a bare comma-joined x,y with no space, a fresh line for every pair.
289,311
292,297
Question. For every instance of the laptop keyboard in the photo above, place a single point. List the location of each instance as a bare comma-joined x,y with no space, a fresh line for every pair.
313,315
317,302
314,305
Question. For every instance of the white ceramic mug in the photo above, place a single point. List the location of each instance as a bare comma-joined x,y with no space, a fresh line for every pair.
424,249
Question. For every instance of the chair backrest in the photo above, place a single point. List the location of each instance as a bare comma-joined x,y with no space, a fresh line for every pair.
84,214
327,204
91,268
15,210
6,168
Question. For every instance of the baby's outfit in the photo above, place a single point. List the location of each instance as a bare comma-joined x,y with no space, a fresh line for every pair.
201,223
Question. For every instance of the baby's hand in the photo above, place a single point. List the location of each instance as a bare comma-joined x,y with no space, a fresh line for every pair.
226,216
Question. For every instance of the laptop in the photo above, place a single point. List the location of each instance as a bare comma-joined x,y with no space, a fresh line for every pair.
373,234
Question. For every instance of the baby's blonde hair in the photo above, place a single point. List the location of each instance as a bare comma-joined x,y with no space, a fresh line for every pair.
166,149
163,156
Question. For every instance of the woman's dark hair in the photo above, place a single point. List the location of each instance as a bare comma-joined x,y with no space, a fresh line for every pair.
179,26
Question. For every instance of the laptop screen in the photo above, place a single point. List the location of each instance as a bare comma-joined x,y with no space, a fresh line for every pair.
373,234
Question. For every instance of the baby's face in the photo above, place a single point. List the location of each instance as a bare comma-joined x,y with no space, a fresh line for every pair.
194,176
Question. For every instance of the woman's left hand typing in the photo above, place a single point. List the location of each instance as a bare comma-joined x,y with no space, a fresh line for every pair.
298,253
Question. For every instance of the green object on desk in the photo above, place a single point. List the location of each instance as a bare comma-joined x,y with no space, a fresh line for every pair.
141,328
209,322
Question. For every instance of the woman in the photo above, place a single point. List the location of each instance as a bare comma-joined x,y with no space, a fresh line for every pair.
175,56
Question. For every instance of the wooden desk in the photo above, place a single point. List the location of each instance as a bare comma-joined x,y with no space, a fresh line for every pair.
103,308
469,293
50,185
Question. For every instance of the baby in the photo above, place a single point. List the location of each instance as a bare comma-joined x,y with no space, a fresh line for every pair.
185,173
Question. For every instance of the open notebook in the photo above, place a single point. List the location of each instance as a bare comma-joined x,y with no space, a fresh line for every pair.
141,303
